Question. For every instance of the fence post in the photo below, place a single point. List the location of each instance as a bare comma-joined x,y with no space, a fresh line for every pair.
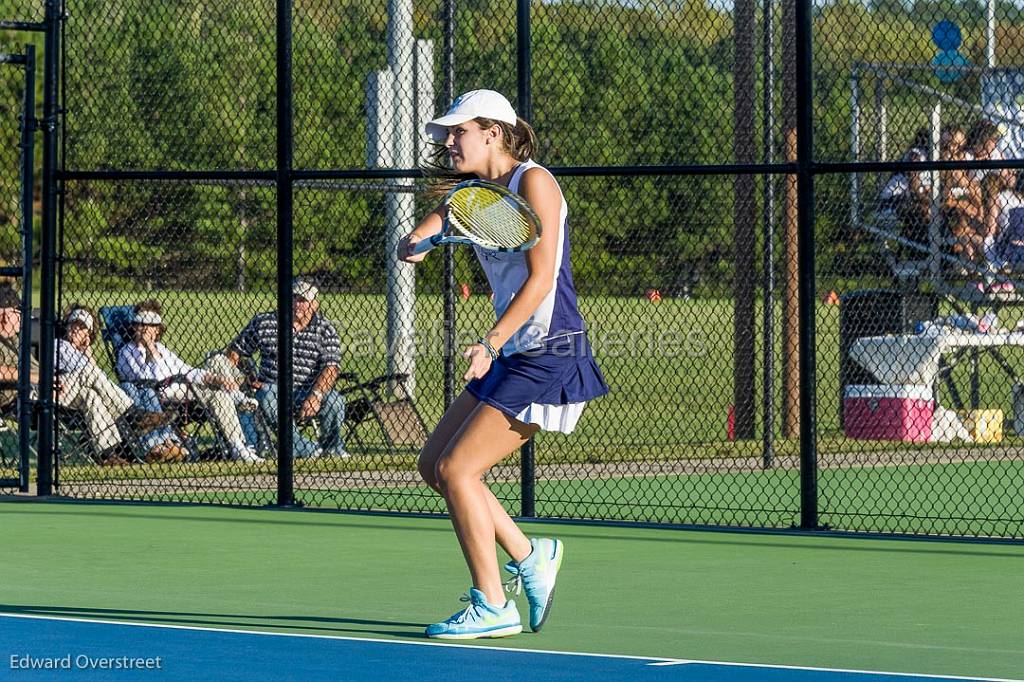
744,211
805,254
448,273
524,105
48,247
28,128
285,408
768,262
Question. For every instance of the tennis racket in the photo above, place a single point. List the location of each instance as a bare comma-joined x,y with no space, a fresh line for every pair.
487,215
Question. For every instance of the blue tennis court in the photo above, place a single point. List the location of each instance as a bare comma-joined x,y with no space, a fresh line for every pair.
39,648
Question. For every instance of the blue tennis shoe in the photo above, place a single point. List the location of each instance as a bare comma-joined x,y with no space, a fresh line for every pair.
478,620
535,575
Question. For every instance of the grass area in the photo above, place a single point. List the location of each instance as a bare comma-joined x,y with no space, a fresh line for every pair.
669,364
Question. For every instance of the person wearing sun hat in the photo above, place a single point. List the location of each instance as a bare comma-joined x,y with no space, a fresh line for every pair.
146,358
86,388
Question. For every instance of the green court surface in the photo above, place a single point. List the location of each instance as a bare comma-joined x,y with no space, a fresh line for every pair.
932,607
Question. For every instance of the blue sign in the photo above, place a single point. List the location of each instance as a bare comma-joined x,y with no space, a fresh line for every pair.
946,35
948,58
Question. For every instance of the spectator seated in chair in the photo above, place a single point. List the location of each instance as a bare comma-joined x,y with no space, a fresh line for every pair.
10,331
87,388
904,202
146,359
1005,248
316,357
961,201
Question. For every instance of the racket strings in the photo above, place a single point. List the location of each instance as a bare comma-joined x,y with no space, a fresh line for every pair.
490,218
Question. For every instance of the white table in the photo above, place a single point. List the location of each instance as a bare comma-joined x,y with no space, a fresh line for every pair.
915,358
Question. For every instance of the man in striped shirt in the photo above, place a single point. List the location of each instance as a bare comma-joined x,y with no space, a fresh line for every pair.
315,362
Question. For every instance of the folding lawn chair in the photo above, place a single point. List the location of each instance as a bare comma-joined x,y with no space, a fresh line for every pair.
400,424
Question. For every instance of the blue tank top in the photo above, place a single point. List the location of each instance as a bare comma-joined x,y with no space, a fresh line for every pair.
557,315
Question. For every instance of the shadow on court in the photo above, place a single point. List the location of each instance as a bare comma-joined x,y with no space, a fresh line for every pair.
317,624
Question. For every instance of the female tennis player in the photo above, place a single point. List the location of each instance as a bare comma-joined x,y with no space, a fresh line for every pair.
532,370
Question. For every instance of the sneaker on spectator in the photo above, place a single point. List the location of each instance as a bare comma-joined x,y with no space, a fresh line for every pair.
166,451
244,403
243,453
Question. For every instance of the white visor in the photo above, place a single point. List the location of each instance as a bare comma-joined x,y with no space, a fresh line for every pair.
147,317
83,316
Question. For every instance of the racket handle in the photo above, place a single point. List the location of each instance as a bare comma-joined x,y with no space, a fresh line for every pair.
424,245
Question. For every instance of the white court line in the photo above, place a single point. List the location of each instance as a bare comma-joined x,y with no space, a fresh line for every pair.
654,660
829,670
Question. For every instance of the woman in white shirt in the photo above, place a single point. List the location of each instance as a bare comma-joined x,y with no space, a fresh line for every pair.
145,358
86,388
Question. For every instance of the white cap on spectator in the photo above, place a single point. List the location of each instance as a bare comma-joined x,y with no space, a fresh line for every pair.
304,290
473,104
83,316
147,317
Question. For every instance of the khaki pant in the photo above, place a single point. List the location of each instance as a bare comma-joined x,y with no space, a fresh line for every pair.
219,404
220,365
100,400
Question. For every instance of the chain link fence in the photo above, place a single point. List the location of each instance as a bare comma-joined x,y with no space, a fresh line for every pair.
671,127
17,161
920,398
11,254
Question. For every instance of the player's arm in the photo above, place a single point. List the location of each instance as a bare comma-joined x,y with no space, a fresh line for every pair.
428,227
541,191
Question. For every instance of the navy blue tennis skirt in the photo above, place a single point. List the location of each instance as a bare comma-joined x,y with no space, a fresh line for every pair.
547,386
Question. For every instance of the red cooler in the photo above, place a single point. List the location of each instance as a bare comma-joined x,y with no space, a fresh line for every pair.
887,412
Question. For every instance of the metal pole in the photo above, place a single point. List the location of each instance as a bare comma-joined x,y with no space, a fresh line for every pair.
28,127
400,209
285,407
790,231
990,43
61,217
744,210
768,219
805,247
855,147
448,274
935,227
47,247
524,106
22,26
881,121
